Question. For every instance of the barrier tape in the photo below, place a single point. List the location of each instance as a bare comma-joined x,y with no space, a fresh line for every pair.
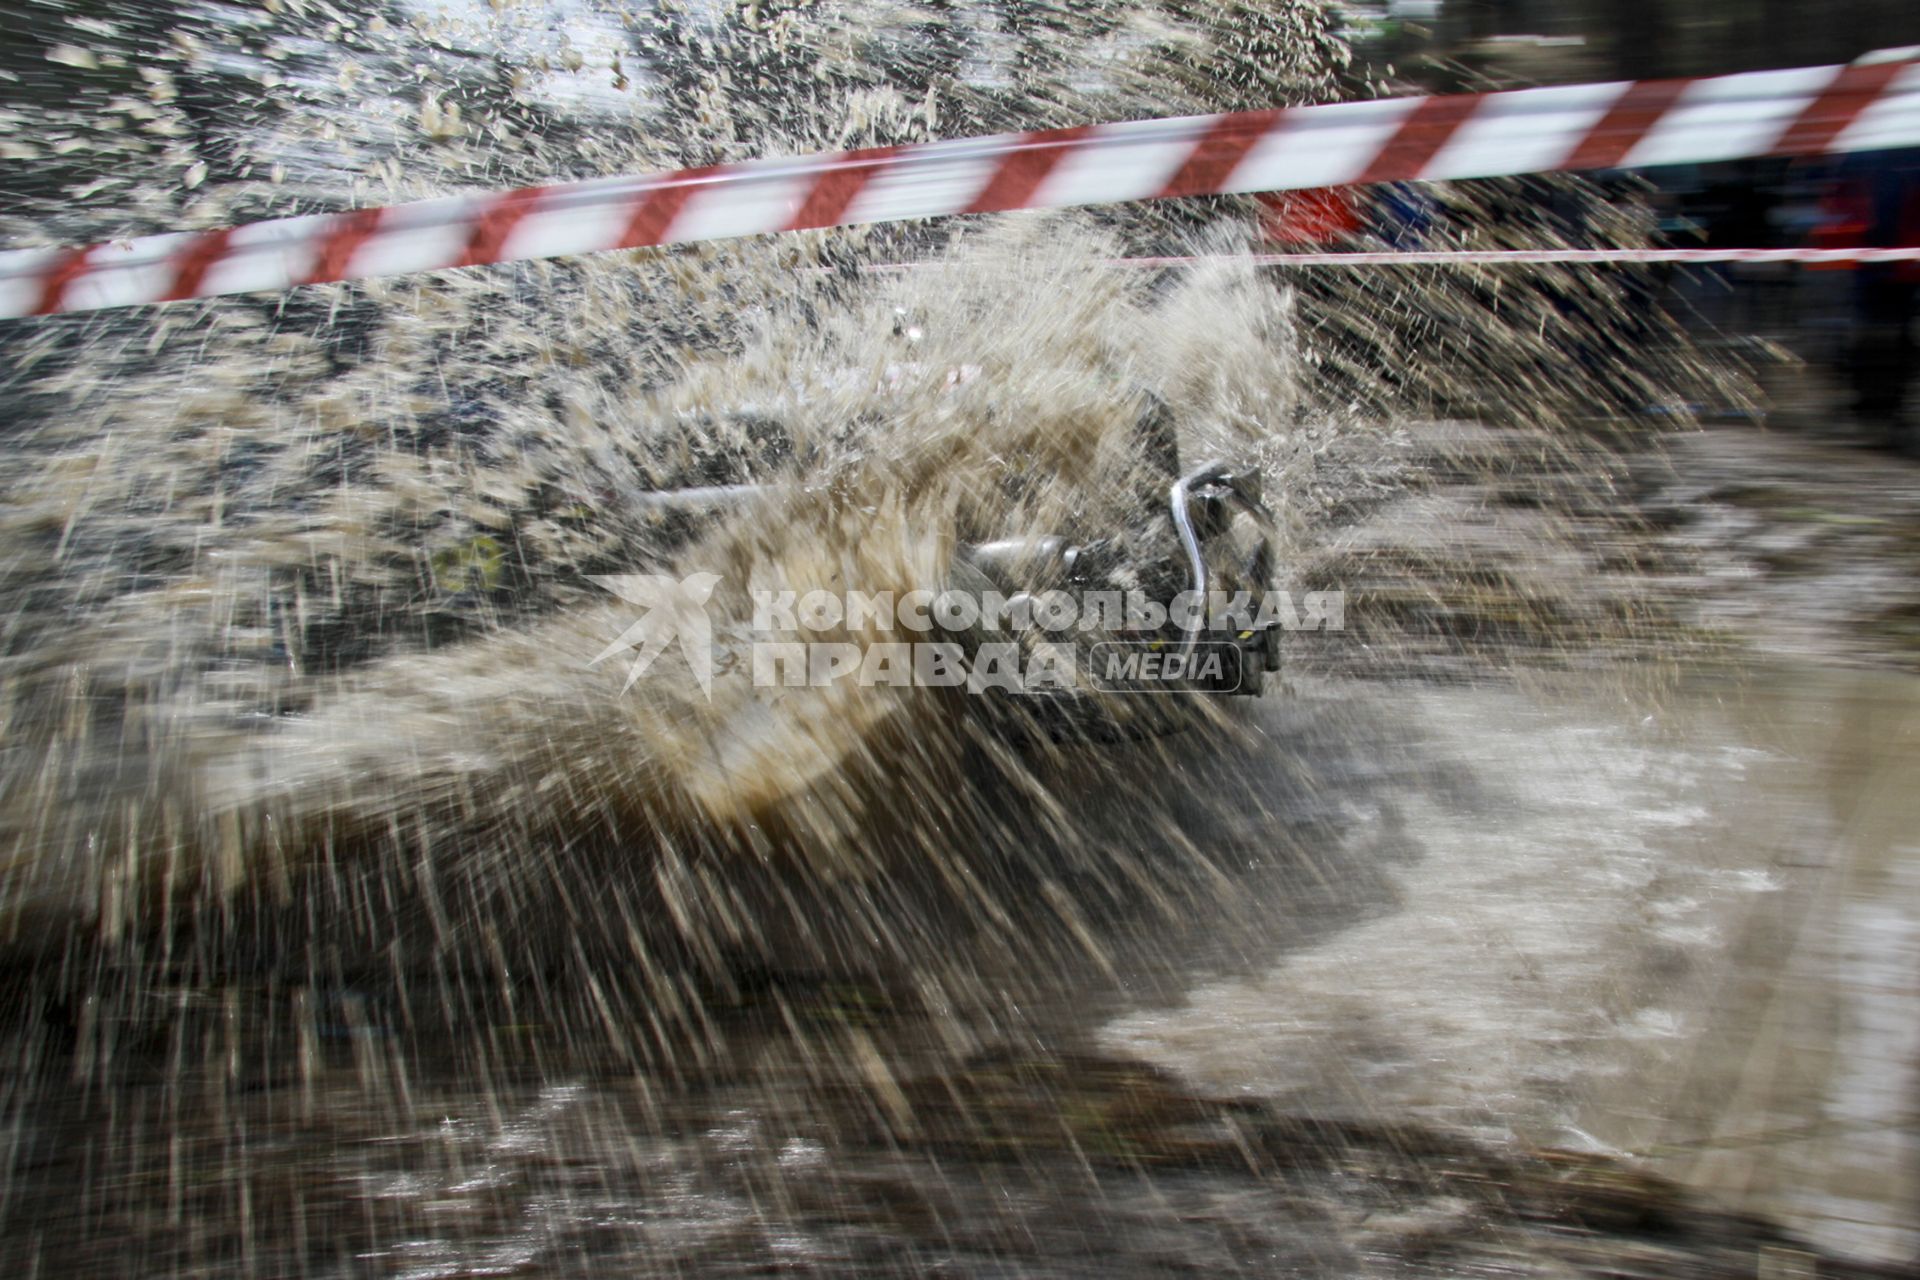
1802,111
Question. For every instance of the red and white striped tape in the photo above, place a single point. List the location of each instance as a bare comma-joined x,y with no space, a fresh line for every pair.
1803,111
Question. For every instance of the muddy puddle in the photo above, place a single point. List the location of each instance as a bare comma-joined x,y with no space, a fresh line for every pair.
1673,932
1516,956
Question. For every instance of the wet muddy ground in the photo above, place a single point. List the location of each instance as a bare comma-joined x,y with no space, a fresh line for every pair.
1562,962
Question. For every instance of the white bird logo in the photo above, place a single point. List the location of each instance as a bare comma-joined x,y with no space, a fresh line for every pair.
674,609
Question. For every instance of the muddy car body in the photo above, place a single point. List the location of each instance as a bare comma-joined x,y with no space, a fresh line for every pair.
1170,602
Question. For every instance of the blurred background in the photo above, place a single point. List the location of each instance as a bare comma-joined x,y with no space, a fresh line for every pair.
1834,344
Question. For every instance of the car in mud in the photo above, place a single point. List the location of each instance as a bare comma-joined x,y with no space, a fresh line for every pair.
1174,603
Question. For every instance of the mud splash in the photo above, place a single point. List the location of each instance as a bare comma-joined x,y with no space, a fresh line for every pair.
236,532
314,816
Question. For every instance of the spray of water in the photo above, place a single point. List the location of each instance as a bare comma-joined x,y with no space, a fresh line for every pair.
298,684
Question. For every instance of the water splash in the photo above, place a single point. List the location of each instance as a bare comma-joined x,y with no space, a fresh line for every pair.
301,731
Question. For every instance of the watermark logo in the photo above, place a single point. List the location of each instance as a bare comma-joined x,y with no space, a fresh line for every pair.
1157,667
675,610
1105,640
